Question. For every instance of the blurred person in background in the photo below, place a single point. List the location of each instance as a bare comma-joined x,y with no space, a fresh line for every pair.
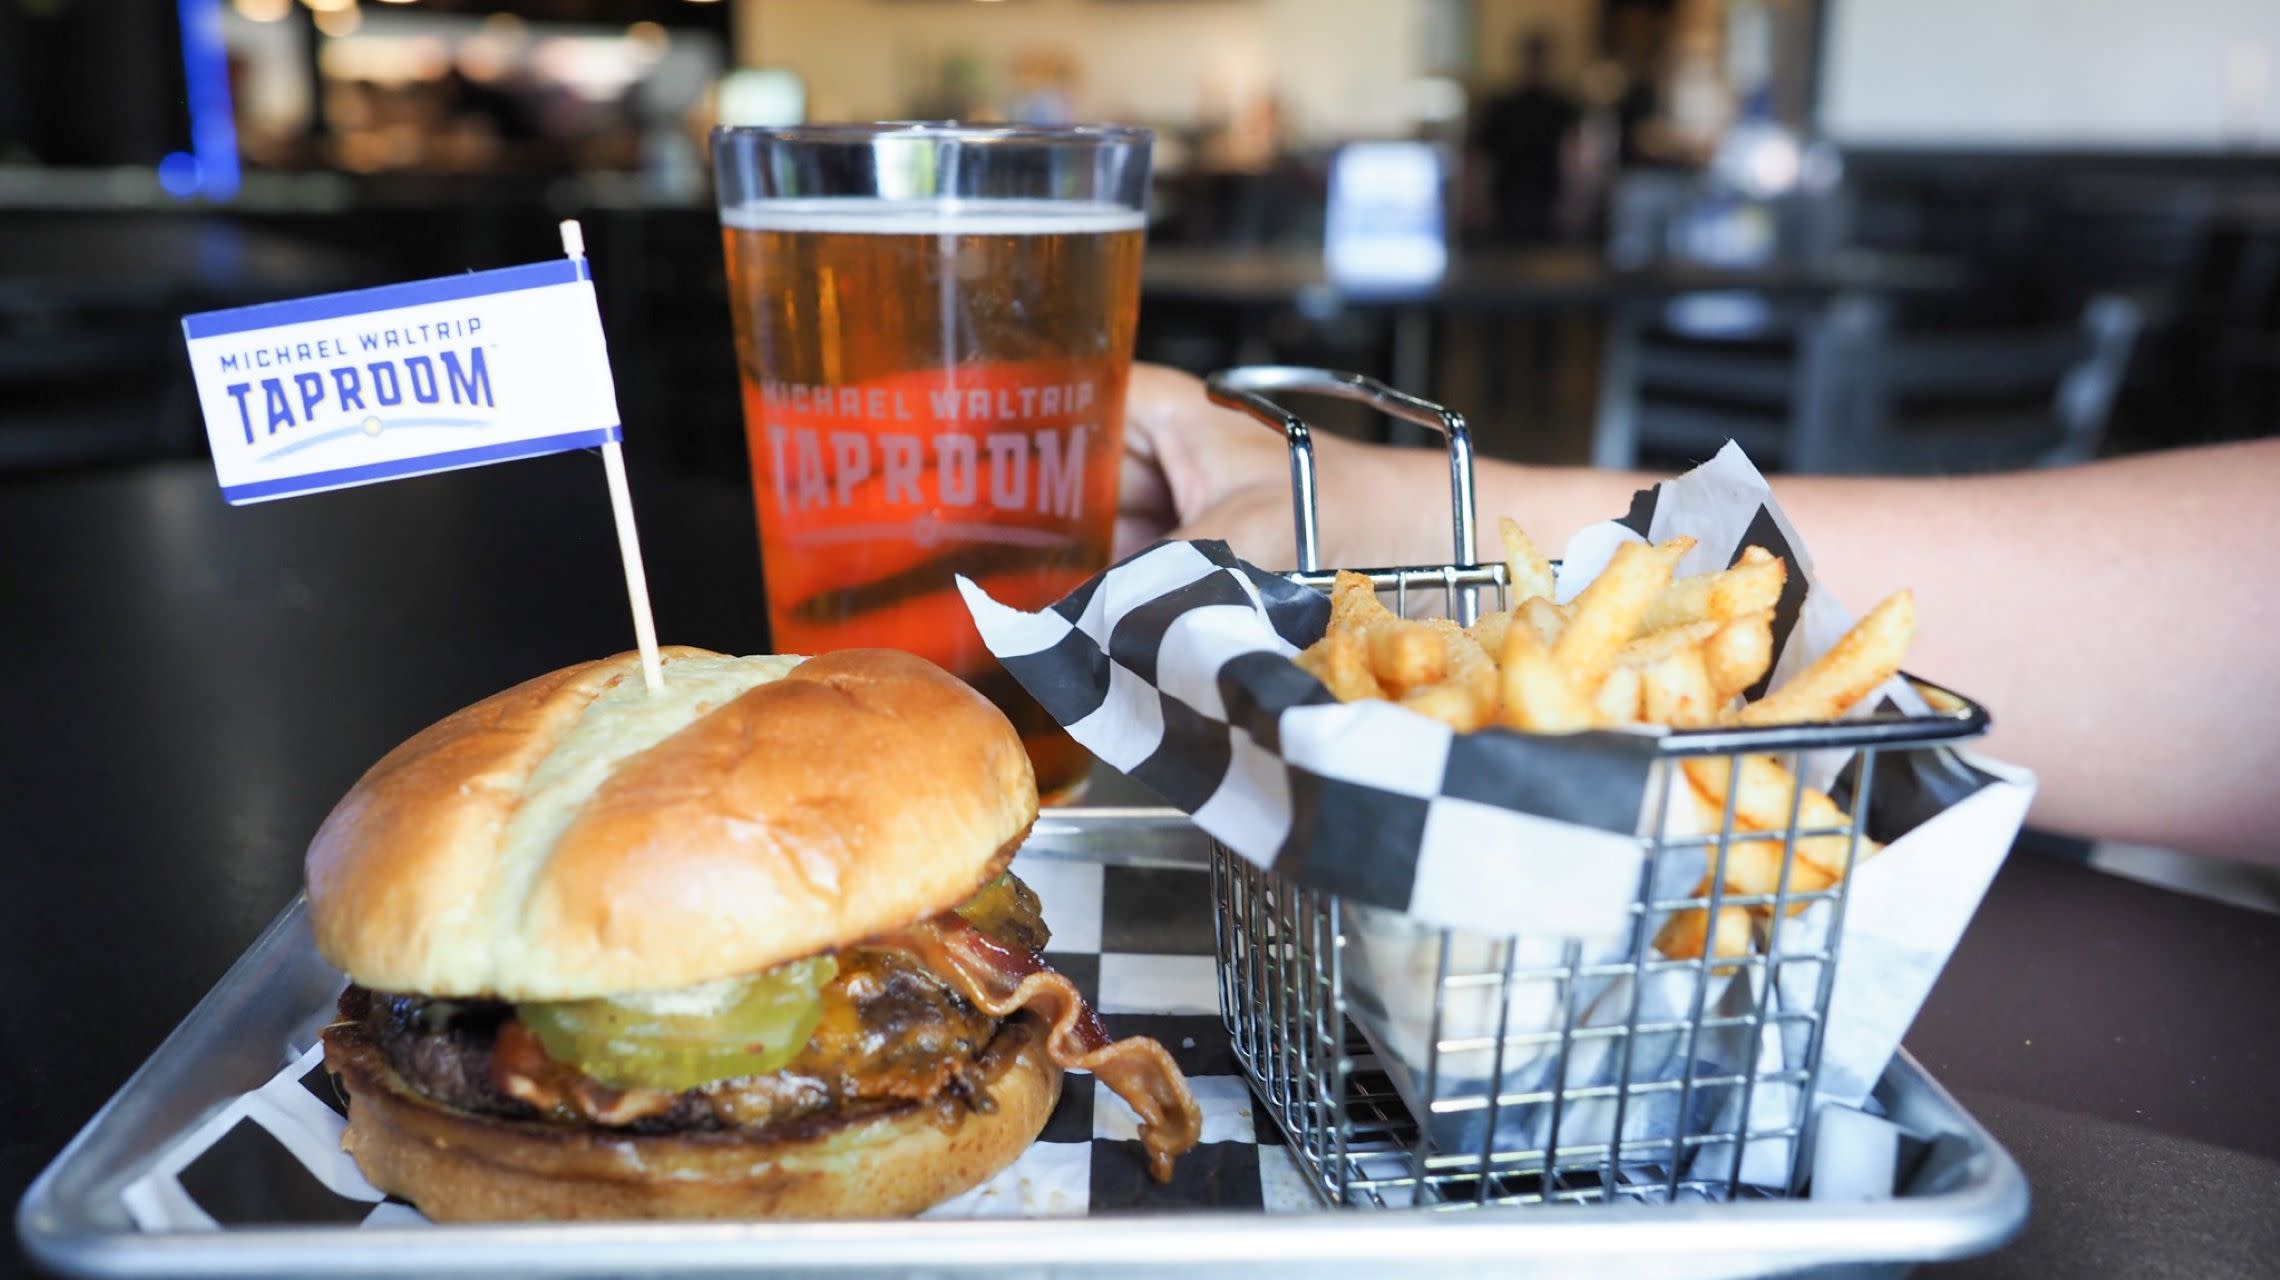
1045,88
1524,142
1639,38
500,105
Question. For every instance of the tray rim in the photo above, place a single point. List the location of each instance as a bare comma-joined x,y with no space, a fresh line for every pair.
1985,1212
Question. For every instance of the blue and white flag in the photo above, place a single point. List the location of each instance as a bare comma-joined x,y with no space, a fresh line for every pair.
350,388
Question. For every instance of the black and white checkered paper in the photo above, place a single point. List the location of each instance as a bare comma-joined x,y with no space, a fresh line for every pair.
1175,666
1136,940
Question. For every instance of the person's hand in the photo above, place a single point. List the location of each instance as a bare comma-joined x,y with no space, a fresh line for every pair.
1195,470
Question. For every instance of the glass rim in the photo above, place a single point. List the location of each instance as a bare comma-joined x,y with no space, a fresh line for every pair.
854,132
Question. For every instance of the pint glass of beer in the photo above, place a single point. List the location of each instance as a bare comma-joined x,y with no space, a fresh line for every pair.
934,330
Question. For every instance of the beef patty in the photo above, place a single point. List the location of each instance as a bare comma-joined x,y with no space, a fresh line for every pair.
890,1034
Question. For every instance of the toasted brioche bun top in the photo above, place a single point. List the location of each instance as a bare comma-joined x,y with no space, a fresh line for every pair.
578,836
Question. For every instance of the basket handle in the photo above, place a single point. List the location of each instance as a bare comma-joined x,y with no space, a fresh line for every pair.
1247,388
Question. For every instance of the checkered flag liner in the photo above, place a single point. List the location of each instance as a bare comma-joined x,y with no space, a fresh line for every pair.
1136,940
1175,667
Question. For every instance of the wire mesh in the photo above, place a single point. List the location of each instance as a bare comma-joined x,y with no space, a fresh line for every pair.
1451,1138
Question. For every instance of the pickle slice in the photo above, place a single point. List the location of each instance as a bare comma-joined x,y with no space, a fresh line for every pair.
650,1042
1007,910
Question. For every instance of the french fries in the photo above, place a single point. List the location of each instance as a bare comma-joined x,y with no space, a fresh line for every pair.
1489,630
1450,704
1406,654
1526,570
1764,794
1655,646
1341,661
1676,691
1541,616
1608,612
1683,935
1617,701
1762,802
1640,646
1468,664
1738,653
1354,605
1868,656
1753,583
1538,696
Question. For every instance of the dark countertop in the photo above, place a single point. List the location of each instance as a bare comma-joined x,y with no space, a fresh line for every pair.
2120,1041
156,258
195,685
1524,279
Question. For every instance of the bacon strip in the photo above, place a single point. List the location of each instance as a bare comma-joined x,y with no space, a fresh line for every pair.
1002,981
999,980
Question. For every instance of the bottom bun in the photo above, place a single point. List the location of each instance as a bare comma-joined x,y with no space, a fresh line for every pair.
461,1167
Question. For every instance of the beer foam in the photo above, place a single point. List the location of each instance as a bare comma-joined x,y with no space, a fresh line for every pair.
880,216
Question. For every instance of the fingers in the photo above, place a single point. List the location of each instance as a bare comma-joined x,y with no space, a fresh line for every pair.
1194,470
1202,449
1144,511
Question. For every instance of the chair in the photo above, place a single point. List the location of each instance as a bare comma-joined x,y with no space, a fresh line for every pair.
1860,396
1677,397
2244,349
1656,214
1685,375
1882,402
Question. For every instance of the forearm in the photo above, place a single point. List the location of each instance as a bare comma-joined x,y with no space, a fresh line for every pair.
2117,618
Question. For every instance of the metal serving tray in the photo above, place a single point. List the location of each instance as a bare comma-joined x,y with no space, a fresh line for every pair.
1964,1195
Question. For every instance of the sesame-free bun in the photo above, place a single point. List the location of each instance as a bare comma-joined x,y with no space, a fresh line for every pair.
577,836
461,1167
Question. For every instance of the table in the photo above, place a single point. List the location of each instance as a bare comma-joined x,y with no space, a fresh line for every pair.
193,686
1527,279
156,259
1517,281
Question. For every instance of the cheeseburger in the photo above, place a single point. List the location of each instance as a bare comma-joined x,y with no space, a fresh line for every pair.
743,948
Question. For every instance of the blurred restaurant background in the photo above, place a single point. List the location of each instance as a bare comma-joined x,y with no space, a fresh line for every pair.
1856,235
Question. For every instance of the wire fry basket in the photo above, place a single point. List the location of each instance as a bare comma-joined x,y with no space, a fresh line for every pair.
1414,1066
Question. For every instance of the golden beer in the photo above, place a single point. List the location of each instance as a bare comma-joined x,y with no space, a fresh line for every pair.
933,388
